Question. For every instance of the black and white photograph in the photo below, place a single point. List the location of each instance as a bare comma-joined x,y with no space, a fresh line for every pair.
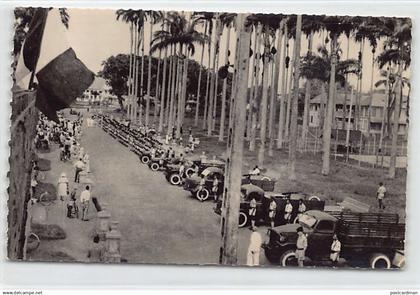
208,138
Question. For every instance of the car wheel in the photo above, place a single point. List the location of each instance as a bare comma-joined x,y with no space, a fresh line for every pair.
296,220
202,194
266,178
189,172
154,166
175,179
243,219
145,159
312,198
288,258
379,261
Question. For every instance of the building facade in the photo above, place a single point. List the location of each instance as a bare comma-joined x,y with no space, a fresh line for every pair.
317,111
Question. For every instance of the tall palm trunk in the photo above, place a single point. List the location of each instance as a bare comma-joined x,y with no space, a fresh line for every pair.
274,88
130,70
149,76
360,90
289,95
213,81
255,93
206,99
371,91
197,105
224,90
183,93
234,81
326,136
343,126
136,77
171,104
164,93
141,79
294,101
169,88
282,110
251,89
307,96
264,100
396,119
157,89
384,115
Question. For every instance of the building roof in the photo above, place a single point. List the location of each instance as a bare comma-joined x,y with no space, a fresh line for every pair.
378,99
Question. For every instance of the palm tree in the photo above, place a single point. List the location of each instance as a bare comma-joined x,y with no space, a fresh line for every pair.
311,24
294,103
181,34
398,52
283,76
154,17
226,19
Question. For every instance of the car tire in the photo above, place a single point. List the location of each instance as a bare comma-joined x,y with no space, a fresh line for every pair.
296,220
175,179
154,166
243,219
288,258
312,198
379,261
189,172
266,178
202,194
145,159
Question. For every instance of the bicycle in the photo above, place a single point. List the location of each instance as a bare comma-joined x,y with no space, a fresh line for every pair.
32,242
44,199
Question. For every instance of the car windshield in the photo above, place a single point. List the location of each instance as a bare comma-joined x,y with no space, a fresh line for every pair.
307,220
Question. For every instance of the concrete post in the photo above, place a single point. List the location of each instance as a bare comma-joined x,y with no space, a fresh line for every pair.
103,225
113,244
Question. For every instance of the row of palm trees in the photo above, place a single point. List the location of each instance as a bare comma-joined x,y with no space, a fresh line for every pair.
274,68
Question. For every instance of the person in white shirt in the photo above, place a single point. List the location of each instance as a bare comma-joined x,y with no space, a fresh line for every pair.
380,194
335,250
301,245
272,210
254,248
84,200
288,211
252,211
255,171
62,187
79,166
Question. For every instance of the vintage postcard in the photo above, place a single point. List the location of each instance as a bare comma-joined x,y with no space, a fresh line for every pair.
199,137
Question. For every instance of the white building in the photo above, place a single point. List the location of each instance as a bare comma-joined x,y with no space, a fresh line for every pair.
377,112
97,92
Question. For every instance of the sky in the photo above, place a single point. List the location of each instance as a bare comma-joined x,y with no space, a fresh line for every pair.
95,35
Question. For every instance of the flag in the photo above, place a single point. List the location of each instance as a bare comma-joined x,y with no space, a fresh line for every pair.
48,58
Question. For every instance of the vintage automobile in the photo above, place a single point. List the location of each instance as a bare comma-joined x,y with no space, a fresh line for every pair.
263,181
172,171
192,183
263,198
366,238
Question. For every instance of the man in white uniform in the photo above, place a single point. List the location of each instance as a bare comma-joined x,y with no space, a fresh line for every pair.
253,257
335,250
381,195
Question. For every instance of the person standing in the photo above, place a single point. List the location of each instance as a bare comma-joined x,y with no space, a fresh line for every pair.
301,245
335,250
380,194
255,241
86,161
79,166
301,208
252,211
97,252
288,211
272,208
84,200
215,188
62,186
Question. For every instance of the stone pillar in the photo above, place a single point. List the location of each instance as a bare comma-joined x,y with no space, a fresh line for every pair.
103,225
113,244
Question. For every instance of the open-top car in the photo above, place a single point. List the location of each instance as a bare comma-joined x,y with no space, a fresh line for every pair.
263,199
192,183
263,181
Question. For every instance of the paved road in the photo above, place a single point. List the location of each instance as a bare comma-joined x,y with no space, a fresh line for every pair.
160,223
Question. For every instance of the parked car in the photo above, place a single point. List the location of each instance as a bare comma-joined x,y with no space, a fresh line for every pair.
192,183
172,171
366,238
263,181
263,198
